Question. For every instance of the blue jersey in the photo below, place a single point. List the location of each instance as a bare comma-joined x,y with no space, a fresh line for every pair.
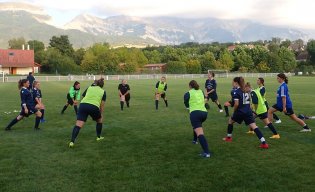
243,99
26,97
36,94
210,85
283,91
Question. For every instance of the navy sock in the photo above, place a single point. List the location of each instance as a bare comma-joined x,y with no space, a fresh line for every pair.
156,104
275,117
195,136
127,103
272,128
220,107
99,127
13,122
226,109
203,143
43,112
75,132
75,109
37,120
305,127
230,128
260,135
64,108
121,105
166,104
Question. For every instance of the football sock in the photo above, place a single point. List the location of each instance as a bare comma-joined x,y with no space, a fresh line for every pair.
99,127
272,128
75,109
64,108
260,135
43,112
204,144
207,106
220,106
37,120
305,127
127,103
166,104
230,130
75,132
195,136
156,104
275,117
121,105
226,109
13,122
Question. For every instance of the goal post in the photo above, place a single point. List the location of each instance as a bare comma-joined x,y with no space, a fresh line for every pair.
219,72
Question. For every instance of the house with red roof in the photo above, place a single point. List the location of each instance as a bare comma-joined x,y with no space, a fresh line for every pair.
160,67
20,62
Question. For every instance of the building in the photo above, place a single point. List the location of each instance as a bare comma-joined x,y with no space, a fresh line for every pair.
157,67
20,62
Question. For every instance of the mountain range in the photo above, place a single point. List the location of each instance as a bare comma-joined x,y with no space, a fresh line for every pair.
31,22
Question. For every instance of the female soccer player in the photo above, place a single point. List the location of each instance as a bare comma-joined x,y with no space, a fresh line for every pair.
262,89
124,93
243,112
160,91
284,103
260,109
92,104
194,100
229,104
73,97
27,105
211,92
37,97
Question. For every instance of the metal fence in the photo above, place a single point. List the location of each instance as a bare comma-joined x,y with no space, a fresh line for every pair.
136,77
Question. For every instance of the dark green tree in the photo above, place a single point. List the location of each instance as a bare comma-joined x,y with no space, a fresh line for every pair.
176,67
62,44
16,43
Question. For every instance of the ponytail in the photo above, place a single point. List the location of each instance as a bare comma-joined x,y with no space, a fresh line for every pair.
100,82
21,83
283,77
241,82
193,84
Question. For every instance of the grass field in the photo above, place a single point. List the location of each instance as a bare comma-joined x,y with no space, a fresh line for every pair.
149,150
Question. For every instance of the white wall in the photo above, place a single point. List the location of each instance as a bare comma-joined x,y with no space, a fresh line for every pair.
24,71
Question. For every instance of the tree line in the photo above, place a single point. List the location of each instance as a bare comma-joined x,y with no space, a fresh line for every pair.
260,56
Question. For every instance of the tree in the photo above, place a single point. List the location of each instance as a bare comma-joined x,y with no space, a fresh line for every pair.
243,60
311,50
16,43
176,67
78,55
152,56
207,61
36,45
259,54
62,44
285,43
225,60
287,59
193,66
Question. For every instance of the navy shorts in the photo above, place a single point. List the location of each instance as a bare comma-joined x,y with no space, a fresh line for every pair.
213,97
263,115
86,110
197,118
70,101
31,111
248,118
289,110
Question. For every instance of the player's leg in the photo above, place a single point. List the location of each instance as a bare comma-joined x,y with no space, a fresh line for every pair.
271,127
37,119
157,98
14,121
226,108
229,131
127,97
165,99
260,136
298,120
271,111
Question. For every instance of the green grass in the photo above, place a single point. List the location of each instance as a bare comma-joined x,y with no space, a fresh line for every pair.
148,150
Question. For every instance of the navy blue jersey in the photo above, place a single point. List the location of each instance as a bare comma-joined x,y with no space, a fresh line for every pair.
244,101
36,94
262,91
26,97
123,88
210,85
283,91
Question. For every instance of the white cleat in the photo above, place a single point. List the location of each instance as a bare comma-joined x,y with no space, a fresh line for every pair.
278,121
221,110
305,130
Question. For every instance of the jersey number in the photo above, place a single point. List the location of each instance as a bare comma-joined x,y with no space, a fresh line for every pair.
246,99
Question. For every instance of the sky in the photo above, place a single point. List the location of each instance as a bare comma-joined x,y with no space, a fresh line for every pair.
294,13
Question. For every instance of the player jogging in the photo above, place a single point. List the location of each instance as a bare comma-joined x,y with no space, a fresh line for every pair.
91,105
124,93
211,91
160,91
194,100
243,112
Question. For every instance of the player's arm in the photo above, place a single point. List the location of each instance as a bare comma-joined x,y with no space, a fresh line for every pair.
156,87
186,99
71,93
103,102
236,99
284,99
23,99
165,88
254,99
128,90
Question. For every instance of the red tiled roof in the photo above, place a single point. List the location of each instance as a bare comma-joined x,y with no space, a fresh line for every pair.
155,65
16,58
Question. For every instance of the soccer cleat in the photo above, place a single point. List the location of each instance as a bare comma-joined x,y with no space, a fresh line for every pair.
205,155
305,130
227,139
250,132
275,136
264,146
71,144
195,142
221,111
266,127
278,121
99,138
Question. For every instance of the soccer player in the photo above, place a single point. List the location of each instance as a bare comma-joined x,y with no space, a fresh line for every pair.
211,92
124,93
27,105
31,79
37,97
260,109
160,91
284,103
243,112
229,103
262,89
73,97
91,105
194,100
